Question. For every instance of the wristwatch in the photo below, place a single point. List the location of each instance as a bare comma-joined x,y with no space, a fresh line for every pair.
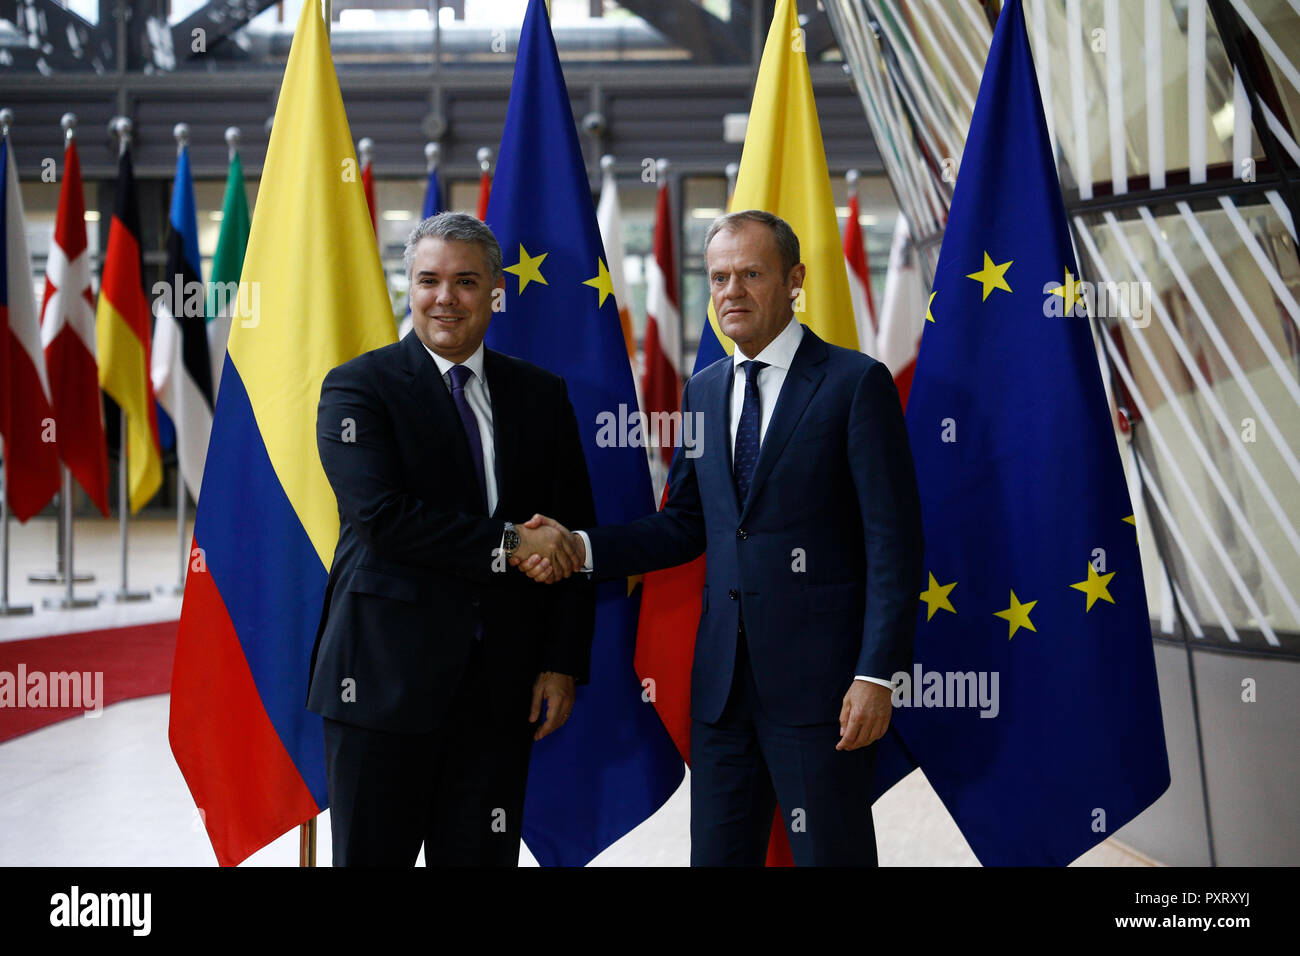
511,540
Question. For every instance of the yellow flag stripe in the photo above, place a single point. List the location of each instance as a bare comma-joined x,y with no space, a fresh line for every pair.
783,171
123,374
313,293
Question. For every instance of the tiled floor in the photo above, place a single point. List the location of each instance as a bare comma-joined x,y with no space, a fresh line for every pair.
106,791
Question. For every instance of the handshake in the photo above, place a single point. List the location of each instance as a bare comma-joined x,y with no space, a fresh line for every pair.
548,551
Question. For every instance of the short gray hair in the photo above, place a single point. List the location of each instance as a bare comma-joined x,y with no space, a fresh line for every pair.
454,227
787,243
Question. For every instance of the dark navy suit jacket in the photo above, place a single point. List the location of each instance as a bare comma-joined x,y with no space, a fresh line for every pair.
824,559
414,582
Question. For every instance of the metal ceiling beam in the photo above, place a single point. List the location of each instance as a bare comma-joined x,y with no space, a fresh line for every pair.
218,20
59,38
709,39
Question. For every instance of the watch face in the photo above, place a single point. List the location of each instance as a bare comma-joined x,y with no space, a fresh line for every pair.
511,539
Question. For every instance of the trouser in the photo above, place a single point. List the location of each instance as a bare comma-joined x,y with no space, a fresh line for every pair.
744,764
459,790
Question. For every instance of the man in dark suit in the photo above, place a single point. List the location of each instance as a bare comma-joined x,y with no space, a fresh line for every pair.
805,500
434,660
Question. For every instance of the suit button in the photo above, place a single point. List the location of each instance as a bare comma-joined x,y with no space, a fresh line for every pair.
742,534
734,594
474,600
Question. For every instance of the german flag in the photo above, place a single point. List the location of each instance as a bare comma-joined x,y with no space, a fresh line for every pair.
122,335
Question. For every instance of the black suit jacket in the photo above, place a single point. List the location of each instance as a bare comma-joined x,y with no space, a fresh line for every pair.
415,575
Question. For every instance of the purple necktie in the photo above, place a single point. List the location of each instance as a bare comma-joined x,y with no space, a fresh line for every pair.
460,376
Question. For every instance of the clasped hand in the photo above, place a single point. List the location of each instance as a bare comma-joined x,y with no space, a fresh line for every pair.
548,551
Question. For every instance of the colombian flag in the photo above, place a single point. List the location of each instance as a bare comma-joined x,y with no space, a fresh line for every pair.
312,296
122,336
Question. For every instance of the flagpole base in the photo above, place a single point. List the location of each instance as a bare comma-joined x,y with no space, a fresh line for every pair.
69,604
122,596
14,610
57,577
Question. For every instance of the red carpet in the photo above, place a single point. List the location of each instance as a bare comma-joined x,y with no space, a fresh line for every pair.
135,661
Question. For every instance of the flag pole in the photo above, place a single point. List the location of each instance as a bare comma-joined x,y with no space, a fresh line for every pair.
307,831
6,609
307,843
69,601
58,576
121,125
182,133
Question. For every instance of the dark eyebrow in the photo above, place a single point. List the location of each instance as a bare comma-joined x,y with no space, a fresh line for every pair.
464,272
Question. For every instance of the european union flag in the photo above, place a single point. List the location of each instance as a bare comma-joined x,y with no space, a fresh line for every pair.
613,764
432,195
1034,610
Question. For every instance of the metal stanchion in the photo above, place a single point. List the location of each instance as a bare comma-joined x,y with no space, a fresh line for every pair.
69,601
6,609
60,565
124,593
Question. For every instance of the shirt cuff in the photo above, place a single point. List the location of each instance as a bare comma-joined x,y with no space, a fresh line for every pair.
875,680
587,564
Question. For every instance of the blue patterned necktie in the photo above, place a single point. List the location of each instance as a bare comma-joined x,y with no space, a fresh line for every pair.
747,440
460,376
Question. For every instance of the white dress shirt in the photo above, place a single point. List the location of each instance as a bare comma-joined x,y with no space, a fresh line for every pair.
779,356
480,403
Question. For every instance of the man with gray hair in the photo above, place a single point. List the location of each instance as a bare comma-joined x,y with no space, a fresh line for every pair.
435,663
805,502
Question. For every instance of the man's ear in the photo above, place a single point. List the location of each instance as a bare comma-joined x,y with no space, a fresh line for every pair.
796,278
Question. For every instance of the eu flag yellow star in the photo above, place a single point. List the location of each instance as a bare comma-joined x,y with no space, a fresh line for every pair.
936,597
929,317
601,282
1070,292
528,268
992,276
1095,587
1017,615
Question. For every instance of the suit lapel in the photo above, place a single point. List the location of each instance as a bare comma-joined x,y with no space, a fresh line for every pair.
438,419
506,434
801,383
